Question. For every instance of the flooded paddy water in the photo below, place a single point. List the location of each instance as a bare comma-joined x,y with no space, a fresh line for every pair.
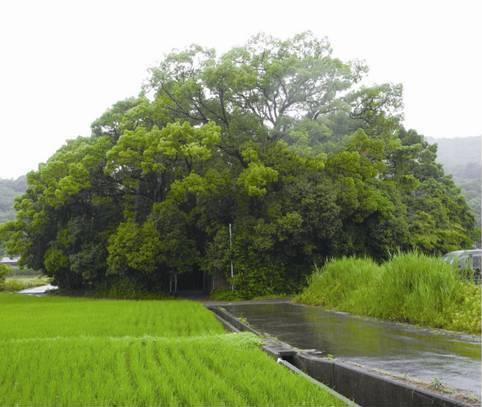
433,356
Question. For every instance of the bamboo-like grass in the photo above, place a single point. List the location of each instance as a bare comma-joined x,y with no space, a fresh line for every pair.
410,287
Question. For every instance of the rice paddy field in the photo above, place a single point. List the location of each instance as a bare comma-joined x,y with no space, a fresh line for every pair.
60,351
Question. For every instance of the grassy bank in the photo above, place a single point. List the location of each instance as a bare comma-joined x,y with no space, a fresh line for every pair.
14,279
61,352
409,288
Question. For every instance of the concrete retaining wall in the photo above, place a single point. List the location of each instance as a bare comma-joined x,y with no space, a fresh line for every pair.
367,388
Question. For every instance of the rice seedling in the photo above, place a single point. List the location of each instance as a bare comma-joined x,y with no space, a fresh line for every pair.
217,370
78,352
27,317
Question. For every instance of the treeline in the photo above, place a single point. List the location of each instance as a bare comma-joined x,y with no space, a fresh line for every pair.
277,138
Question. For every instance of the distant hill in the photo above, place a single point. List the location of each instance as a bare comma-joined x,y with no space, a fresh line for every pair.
9,190
461,157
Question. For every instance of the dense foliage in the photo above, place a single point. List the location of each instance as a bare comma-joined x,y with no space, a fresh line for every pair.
409,288
277,138
136,353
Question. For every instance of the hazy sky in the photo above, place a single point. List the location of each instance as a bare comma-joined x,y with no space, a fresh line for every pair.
63,63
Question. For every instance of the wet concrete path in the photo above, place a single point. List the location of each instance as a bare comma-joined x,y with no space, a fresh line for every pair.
39,290
402,349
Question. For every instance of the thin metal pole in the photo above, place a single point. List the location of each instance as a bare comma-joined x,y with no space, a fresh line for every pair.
231,255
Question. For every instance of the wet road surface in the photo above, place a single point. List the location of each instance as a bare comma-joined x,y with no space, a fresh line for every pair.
42,289
402,349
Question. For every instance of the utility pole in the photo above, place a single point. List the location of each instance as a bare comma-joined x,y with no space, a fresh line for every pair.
231,255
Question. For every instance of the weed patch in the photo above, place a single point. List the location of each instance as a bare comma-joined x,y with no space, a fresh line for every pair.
409,288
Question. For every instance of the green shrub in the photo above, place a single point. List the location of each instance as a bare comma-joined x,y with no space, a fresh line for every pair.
3,273
261,280
225,295
126,289
4,270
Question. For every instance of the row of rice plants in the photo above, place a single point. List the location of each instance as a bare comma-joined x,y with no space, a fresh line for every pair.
60,351
211,370
409,287
27,317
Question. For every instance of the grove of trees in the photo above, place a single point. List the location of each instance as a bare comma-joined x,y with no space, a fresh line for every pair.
277,138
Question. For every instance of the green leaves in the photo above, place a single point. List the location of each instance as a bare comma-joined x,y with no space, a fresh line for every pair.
276,138
192,143
134,247
255,178
55,261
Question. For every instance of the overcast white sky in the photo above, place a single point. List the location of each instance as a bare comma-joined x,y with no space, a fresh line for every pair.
63,63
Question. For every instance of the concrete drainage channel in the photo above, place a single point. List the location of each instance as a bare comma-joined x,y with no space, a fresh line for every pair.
355,385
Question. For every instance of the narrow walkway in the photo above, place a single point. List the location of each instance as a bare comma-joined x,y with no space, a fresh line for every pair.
40,290
208,302
454,359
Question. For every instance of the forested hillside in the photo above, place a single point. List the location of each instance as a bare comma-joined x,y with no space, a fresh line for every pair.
277,138
461,157
9,190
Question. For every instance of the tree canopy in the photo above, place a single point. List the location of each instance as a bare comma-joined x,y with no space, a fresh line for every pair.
278,138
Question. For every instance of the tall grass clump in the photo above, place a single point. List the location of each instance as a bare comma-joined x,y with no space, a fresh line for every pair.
418,288
342,283
410,287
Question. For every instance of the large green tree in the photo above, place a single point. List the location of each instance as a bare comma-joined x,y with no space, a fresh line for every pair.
277,138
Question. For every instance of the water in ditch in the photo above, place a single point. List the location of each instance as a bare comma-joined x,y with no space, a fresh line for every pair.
402,349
